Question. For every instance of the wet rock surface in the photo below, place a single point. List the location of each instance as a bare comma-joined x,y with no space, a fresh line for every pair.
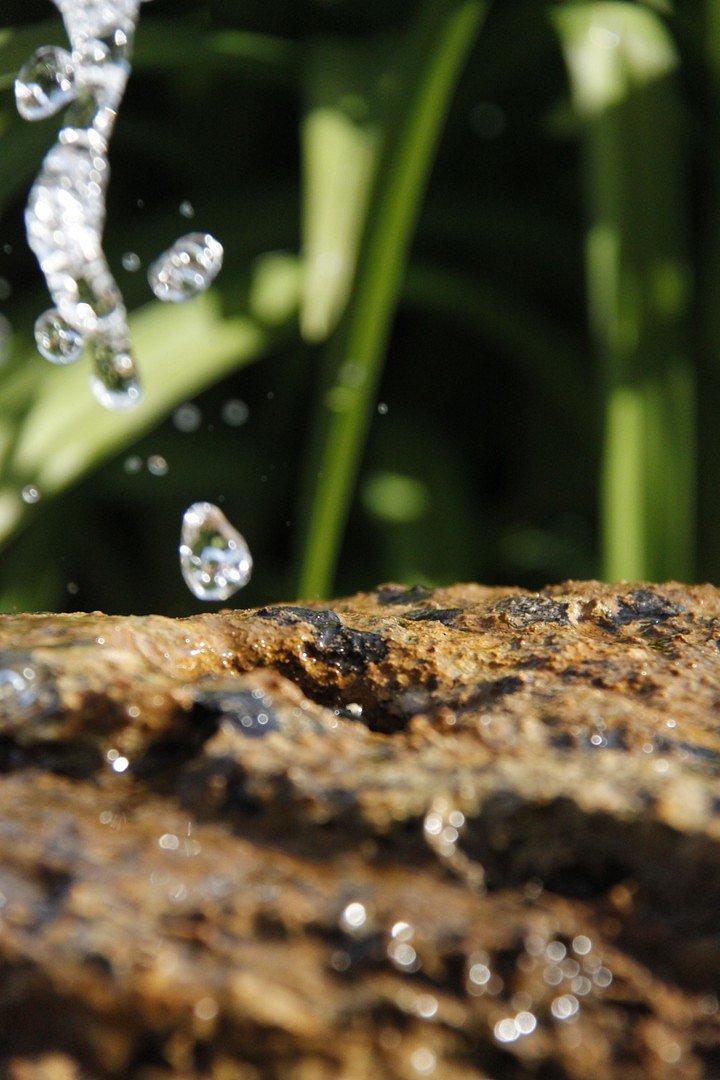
462,833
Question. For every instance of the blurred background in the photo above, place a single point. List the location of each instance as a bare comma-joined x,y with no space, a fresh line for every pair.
468,323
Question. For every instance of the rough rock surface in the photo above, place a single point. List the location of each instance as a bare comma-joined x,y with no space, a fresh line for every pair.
460,834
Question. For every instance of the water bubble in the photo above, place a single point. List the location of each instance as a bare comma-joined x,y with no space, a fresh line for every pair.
382,409
235,412
30,494
157,465
56,340
187,268
45,83
187,209
131,262
187,417
115,383
214,557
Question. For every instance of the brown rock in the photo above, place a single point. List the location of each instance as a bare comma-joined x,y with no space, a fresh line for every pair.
461,834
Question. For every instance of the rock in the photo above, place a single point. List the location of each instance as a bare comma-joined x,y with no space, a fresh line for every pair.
462,833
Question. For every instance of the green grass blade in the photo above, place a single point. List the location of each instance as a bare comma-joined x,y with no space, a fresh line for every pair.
622,63
419,89
340,141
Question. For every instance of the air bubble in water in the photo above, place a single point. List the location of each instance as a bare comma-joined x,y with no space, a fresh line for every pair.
45,83
187,268
214,558
56,340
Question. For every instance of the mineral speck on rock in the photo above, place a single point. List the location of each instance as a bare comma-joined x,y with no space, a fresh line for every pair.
462,833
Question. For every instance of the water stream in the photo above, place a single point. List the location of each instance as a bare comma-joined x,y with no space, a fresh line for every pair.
65,215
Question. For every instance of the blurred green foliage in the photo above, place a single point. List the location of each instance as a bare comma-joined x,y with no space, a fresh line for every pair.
469,298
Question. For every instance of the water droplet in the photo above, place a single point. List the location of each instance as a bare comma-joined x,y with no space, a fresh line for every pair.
187,209
115,383
56,340
235,412
187,417
133,464
353,917
157,465
131,262
45,83
382,409
187,268
30,494
5,289
214,558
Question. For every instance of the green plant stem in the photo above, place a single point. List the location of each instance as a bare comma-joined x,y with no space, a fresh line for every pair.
622,63
419,89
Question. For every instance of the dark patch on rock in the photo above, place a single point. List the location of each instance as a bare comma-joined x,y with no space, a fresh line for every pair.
446,616
346,649
248,711
524,611
461,699
322,620
399,594
644,606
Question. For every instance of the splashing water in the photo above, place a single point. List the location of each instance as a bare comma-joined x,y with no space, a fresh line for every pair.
187,268
65,215
214,558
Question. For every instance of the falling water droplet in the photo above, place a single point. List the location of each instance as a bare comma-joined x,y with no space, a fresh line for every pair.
115,383
235,412
56,340
30,494
187,417
187,268
131,262
157,465
187,209
45,83
214,558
